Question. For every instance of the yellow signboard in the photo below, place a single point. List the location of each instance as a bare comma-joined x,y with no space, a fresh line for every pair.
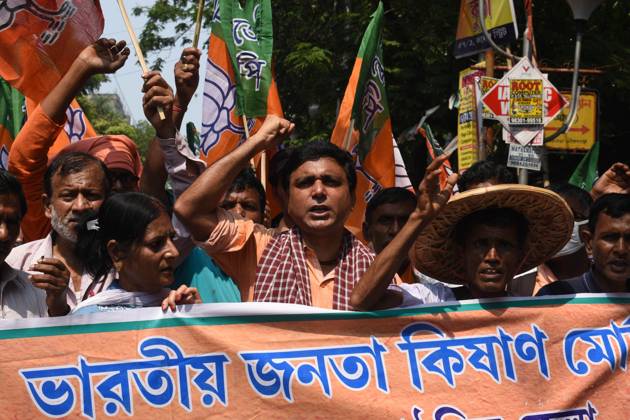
526,101
467,129
583,133
499,20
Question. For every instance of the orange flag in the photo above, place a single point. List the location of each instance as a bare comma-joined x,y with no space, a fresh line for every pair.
39,40
222,128
363,126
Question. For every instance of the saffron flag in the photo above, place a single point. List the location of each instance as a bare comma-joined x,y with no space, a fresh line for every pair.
39,40
240,39
363,126
527,359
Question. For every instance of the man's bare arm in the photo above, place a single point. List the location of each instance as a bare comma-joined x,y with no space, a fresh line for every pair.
196,207
372,288
104,56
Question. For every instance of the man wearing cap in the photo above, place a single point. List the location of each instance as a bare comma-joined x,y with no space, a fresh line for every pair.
480,239
35,146
607,242
59,194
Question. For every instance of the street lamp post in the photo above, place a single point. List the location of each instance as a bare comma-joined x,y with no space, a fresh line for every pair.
582,10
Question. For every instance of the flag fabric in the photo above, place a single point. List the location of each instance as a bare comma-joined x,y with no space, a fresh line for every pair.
434,150
363,125
586,172
241,40
248,35
39,40
400,170
11,119
77,127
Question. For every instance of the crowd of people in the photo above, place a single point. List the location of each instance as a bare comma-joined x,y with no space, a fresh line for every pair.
101,232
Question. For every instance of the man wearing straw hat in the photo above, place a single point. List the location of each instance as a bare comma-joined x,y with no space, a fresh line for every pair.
481,238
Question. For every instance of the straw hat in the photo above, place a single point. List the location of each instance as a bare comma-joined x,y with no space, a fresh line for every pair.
550,226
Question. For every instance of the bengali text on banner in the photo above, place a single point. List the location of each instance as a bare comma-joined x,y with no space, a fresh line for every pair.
513,359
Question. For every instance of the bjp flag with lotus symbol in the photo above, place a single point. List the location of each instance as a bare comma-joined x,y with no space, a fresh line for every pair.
238,80
364,126
39,40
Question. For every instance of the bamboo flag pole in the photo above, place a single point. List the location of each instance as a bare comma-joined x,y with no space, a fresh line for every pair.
263,169
136,46
348,137
198,23
246,128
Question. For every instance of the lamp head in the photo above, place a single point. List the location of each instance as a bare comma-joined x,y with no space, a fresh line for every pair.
582,9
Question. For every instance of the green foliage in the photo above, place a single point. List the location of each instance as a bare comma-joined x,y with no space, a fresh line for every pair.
309,57
93,84
315,43
106,119
178,15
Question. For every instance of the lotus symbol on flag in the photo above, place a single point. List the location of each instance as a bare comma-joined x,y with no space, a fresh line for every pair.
221,94
215,14
374,185
4,158
75,126
57,18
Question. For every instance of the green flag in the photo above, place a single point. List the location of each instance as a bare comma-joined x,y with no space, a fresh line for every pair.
11,119
248,34
586,174
11,109
370,109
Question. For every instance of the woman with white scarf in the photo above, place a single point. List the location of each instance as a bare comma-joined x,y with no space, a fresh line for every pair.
133,236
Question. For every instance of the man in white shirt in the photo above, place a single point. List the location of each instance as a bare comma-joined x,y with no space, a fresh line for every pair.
18,296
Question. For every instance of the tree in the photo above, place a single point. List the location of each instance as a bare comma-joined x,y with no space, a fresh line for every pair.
106,119
315,43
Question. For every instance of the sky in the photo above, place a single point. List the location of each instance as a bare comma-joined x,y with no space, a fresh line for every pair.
127,82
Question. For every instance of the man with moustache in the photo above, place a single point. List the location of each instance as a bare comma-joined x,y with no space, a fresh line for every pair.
316,262
74,184
607,242
480,239
18,296
36,145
